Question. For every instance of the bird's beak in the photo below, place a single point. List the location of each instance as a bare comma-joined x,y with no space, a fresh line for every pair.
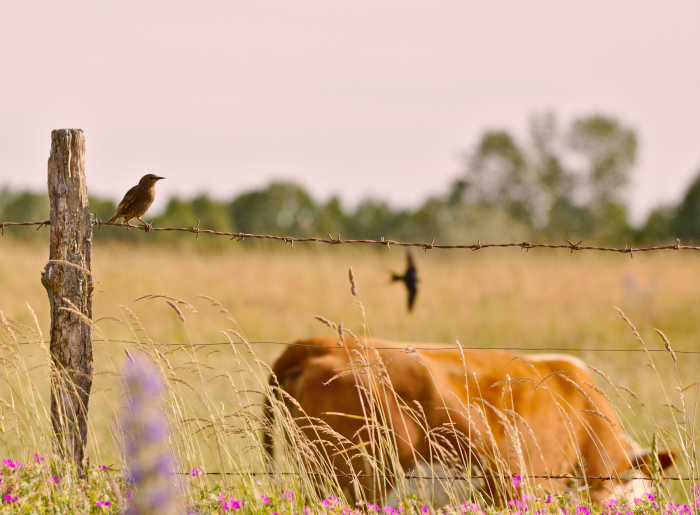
159,178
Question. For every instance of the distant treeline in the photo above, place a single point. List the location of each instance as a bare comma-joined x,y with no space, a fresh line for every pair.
560,184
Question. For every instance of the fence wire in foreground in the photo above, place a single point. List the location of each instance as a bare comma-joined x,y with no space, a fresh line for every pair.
409,475
525,245
351,347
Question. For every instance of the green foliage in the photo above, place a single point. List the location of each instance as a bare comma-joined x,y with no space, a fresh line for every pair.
535,185
609,150
282,208
563,183
686,222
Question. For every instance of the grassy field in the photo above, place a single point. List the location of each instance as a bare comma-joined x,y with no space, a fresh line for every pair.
531,301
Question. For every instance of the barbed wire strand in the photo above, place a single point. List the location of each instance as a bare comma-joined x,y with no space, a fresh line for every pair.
409,476
407,345
525,245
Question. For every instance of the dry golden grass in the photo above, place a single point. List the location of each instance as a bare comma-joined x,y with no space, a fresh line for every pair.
492,298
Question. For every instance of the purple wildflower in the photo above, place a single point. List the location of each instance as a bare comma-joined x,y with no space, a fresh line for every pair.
9,498
289,496
425,509
10,464
103,467
197,471
38,458
149,458
582,510
56,479
517,481
103,504
372,507
265,499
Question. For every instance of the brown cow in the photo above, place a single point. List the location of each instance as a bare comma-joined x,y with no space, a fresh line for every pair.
486,410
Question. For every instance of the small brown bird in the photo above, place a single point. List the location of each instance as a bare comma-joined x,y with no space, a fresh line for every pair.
137,200
410,278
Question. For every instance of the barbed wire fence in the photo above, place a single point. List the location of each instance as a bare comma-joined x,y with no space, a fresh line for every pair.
524,246
239,236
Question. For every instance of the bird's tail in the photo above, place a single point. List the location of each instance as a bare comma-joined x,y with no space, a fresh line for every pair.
396,277
113,219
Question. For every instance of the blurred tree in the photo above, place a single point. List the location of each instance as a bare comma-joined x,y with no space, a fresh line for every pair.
497,175
102,209
658,227
178,213
282,208
540,187
333,220
24,207
685,224
609,150
374,219
211,214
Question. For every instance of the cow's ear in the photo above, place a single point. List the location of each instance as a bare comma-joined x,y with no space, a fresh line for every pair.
642,460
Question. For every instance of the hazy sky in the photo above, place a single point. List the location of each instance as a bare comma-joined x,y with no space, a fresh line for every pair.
354,98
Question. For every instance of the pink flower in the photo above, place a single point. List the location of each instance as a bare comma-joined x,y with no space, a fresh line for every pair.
197,471
288,496
9,498
38,458
231,504
331,502
582,510
10,464
103,467
425,509
103,504
517,481
265,499
56,479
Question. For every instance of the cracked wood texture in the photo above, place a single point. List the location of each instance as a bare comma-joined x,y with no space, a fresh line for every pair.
70,292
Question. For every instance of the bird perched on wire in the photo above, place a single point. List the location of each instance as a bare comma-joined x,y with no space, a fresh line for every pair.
137,200
409,278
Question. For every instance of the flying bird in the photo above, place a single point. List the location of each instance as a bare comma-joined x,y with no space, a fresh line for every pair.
409,278
137,200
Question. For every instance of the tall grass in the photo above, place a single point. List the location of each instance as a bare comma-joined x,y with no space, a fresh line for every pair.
214,396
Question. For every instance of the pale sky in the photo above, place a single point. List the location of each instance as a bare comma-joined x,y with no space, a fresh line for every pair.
358,98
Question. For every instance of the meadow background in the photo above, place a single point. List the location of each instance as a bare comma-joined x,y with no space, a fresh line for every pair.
494,298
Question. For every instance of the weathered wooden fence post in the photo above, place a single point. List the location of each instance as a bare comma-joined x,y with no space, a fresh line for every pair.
70,292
